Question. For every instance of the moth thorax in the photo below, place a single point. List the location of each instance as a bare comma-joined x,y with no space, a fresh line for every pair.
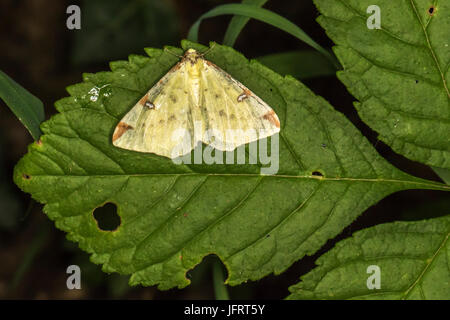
194,69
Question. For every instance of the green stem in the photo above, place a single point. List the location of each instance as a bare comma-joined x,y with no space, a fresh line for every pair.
220,290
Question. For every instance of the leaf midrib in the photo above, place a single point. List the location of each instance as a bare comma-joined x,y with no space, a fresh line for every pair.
437,186
425,269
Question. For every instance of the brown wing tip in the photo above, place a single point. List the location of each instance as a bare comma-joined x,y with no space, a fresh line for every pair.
121,128
272,117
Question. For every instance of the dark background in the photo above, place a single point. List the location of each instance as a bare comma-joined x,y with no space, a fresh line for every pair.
40,53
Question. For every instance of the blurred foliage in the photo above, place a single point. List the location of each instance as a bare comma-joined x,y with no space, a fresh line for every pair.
112,29
302,64
11,208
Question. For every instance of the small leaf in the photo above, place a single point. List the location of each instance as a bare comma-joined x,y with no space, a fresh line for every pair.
412,258
302,64
238,23
263,15
399,73
172,216
27,108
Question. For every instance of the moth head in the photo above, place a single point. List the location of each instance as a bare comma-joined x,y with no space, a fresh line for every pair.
192,55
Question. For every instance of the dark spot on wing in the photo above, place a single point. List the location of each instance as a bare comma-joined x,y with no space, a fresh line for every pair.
173,98
149,104
222,113
172,117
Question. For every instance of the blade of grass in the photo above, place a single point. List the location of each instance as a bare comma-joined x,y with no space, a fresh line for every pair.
238,23
27,108
304,64
263,15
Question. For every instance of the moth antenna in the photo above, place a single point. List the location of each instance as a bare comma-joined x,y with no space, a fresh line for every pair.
208,50
174,54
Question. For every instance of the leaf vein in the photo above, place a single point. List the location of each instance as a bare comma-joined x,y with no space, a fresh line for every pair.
272,229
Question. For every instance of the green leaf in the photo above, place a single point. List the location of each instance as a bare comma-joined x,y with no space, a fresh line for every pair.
444,174
26,107
412,257
174,215
399,73
302,64
238,23
263,15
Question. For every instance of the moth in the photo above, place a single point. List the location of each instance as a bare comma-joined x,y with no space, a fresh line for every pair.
196,101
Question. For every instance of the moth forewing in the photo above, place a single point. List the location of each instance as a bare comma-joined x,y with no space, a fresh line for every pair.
195,101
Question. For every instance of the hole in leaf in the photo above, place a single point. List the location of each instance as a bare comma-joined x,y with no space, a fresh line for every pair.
317,174
201,274
26,176
417,81
431,10
107,217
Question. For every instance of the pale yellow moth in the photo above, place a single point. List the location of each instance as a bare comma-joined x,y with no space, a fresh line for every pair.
196,101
